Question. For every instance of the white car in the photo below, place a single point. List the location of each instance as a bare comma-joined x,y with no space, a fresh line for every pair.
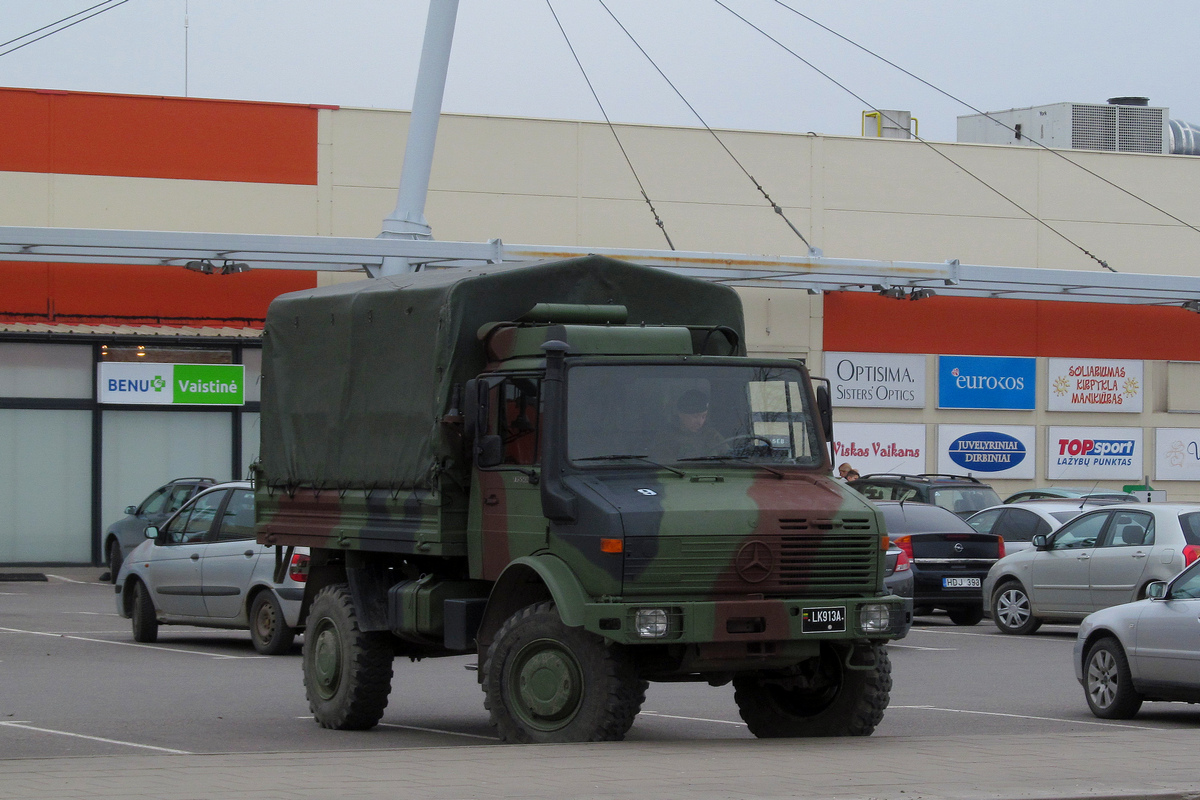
203,567
1141,651
1099,559
1018,522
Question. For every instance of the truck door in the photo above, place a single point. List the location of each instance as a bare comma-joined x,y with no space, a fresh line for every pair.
506,503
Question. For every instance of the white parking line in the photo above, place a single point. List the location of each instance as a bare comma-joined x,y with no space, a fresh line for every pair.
428,730
27,727
1026,716
996,635
220,656
93,613
916,647
694,719
68,580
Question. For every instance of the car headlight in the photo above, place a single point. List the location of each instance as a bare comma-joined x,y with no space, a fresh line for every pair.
875,617
651,623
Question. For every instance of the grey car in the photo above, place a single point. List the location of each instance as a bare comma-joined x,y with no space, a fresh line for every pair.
1147,650
1019,522
1099,559
130,531
204,568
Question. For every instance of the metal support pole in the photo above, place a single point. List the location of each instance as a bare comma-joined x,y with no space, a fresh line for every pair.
407,221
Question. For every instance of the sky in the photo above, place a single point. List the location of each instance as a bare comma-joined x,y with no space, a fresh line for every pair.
510,59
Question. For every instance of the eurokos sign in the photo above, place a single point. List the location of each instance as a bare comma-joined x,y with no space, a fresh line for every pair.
987,382
135,383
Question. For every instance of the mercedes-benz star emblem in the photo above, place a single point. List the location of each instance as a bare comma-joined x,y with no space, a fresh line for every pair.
754,561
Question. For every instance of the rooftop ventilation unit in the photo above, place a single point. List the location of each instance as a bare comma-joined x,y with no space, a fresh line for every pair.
1125,124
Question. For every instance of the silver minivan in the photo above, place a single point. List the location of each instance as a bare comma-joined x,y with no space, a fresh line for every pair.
203,567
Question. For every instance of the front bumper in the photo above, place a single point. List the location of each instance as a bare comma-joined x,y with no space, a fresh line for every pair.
752,621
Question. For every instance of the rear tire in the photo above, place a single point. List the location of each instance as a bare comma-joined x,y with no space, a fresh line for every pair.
823,698
145,619
965,615
115,559
1108,683
347,672
546,682
1012,611
269,631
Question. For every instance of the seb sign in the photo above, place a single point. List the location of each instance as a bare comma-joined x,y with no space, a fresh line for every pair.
986,382
1099,453
1089,384
876,380
171,384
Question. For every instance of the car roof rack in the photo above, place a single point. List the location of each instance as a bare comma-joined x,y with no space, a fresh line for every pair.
194,478
923,476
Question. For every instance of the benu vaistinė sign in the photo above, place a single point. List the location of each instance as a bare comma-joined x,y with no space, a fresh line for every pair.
132,383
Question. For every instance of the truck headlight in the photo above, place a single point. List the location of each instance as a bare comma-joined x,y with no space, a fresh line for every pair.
875,617
651,623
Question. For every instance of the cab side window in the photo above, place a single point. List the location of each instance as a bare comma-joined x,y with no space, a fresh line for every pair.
514,414
1081,533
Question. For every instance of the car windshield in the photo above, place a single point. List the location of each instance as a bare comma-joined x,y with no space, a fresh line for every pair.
685,413
921,518
965,499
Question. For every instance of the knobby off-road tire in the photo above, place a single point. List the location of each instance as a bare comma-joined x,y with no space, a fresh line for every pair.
965,615
1108,682
546,682
347,673
1012,611
828,699
145,621
269,631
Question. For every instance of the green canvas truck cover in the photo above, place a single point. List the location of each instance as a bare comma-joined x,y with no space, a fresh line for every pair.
357,376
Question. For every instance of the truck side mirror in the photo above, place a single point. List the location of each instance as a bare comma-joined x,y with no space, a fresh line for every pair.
491,450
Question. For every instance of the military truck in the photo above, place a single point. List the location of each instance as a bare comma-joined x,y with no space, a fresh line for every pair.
573,472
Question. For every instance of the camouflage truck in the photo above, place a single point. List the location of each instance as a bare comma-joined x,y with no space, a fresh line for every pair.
506,462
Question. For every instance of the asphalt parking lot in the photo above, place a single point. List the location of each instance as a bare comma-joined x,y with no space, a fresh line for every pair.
75,685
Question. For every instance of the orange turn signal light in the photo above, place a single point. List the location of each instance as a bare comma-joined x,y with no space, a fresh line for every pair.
612,545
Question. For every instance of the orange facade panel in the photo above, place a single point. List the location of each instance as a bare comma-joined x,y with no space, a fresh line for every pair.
863,322
157,137
112,294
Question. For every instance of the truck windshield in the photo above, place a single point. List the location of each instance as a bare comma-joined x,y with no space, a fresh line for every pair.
678,414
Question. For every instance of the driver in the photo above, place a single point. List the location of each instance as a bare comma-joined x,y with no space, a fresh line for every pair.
691,435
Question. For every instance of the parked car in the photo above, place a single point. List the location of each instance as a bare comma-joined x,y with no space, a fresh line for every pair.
1099,559
127,533
203,567
1146,650
898,580
949,558
1019,522
960,494
1050,492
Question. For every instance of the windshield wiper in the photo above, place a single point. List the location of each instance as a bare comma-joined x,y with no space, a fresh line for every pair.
743,459
629,456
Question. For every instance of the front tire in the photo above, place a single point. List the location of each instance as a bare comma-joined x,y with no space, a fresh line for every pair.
269,631
546,682
115,559
347,672
965,615
145,619
1108,682
1012,611
822,698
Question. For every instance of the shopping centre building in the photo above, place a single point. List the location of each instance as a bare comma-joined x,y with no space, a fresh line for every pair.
1066,393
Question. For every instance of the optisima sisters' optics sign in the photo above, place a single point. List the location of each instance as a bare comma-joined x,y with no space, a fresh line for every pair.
132,383
876,380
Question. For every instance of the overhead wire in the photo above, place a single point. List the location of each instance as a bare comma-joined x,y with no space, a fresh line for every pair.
657,220
965,104
109,6
925,142
774,206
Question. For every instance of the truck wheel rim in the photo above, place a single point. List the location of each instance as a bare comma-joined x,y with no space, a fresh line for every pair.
1013,608
545,685
327,659
1102,678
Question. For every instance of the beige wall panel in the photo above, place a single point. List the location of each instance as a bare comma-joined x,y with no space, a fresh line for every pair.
1170,182
919,237
91,201
368,147
517,219
359,211
895,175
1183,386
25,198
1153,249
506,156
777,321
